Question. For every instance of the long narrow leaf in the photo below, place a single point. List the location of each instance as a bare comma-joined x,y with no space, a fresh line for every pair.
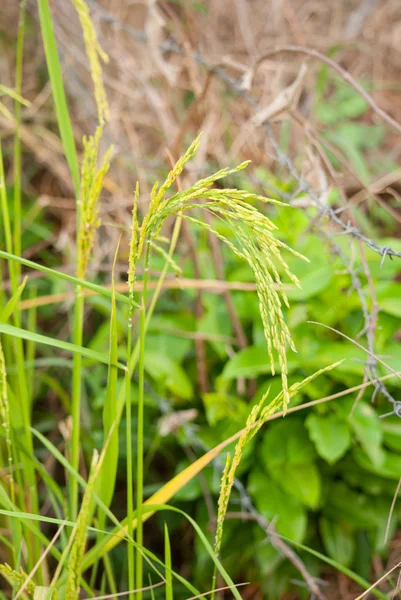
167,559
60,101
109,470
66,346
102,291
338,566
165,493
9,308
160,497
52,520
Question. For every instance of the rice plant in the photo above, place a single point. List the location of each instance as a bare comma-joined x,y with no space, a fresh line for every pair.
82,510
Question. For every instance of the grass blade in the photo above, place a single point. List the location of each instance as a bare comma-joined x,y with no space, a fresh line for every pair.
102,291
338,566
17,139
60,101
167,559
8,310
19,333
108,474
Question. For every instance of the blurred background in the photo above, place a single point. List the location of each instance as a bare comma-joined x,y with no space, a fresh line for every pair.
310,91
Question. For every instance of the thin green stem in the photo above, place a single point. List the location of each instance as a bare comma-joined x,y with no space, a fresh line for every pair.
130,496
5,213
31,345
132,361
23,404
17,140
140,427
76,399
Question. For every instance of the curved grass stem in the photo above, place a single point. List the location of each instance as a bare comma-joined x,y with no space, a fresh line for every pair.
130,496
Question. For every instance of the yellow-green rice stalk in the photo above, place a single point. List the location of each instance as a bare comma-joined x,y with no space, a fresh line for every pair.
94,53
91,186
88,221
133,251
254,242
257,417
133,257
223,500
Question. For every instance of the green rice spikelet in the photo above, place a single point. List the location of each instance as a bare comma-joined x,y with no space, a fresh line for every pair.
94,53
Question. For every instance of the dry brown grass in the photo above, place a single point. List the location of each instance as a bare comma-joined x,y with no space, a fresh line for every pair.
148,90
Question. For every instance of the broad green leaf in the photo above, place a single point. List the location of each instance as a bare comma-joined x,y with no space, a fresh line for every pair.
301,481
193,489
391,306
328,352
171,345
392,358
215,323
312,284
338,541
164,369
391,427
220,406
288,455
357,477
389,468
355,508
388,294
330,434
367,428
251,362
286,442
287,512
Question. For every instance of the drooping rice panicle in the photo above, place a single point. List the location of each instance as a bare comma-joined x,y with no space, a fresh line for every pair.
255,243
